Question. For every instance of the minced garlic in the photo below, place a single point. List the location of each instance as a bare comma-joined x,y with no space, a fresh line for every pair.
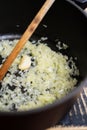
37,77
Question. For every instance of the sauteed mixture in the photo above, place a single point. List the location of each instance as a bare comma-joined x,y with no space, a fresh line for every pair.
37,77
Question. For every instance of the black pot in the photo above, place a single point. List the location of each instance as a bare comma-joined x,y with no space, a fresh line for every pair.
65,21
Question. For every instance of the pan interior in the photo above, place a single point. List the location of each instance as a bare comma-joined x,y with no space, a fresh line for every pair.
52,44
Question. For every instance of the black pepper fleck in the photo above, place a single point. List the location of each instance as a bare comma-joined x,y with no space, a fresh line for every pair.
1,59
23,89
13,107
0,85
11,87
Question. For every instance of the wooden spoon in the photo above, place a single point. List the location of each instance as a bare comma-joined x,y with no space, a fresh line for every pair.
27,34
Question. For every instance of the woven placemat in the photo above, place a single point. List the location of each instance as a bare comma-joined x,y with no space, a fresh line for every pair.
68,128
77,116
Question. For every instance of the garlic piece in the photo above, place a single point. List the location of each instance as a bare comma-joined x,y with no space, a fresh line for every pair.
25,62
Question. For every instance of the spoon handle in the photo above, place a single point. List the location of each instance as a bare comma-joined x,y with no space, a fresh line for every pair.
27,34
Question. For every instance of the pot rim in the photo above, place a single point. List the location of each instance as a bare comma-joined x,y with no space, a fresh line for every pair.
78,7
66,98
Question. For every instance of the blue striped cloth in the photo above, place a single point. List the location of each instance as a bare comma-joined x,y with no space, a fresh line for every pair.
77,116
